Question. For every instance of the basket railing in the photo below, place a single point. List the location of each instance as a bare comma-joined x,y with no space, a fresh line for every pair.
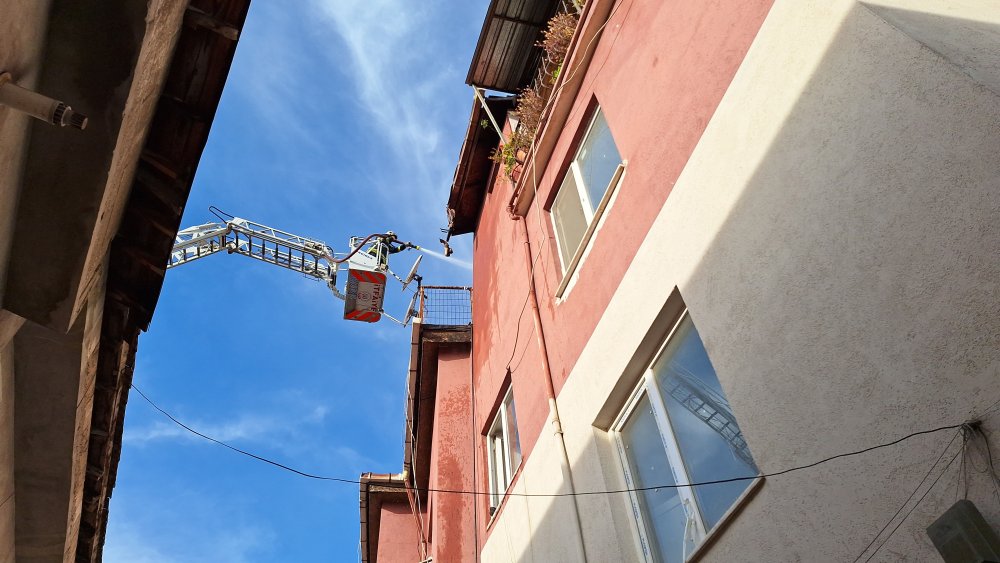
445,305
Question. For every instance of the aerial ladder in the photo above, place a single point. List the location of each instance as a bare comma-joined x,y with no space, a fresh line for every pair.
366,261
711,407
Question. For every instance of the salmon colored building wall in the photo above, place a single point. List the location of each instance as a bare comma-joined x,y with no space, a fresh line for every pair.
658,72
451,515
398,540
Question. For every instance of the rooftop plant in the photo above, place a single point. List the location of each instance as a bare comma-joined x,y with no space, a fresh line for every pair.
531,102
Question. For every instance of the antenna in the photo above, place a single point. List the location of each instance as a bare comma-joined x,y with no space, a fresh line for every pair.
413,275
410,311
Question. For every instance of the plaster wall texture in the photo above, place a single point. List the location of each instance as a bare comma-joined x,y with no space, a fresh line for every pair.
47,369
833,235
451,518
397,540
22,41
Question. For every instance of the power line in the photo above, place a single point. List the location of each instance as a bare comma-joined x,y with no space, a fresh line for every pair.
908,499
555,495
238,450
915,505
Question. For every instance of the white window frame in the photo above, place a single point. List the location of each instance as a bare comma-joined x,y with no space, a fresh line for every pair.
498,454
648,387
592,211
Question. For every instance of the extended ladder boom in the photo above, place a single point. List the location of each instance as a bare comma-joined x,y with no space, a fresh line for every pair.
309,257
367,260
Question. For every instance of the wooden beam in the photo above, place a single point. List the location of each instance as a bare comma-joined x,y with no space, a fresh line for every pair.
197,18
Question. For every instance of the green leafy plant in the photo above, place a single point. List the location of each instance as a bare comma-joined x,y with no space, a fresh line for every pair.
531,104
509,153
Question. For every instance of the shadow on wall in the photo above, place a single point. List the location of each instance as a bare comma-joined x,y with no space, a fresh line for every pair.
848,298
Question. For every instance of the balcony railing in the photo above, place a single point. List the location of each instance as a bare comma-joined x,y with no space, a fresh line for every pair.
549,70
445,305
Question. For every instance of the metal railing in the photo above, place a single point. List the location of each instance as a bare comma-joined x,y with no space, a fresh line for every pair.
446,305
548,70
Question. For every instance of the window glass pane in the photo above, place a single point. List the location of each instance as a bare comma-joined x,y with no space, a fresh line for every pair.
598,158
661,509
709,438
512,439
567,213
496,458
491,457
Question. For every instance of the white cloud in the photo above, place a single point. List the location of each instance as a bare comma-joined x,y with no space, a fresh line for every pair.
270,429
191,530
401,83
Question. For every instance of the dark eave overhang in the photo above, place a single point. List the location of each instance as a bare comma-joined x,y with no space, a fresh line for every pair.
507,55
376,489
474,173
177,135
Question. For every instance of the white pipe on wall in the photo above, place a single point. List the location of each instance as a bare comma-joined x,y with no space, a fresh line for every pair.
38,106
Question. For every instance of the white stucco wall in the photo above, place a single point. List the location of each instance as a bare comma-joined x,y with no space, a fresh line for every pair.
834,236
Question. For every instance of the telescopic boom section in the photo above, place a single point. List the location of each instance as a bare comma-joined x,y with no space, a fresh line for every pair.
309,257
367,262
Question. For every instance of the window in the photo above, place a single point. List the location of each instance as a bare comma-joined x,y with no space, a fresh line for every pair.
678,428
578,203
503,450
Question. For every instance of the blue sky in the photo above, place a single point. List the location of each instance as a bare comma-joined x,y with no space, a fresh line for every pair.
340,118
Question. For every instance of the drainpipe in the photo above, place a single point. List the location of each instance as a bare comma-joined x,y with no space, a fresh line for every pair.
475,443
38,106
550,390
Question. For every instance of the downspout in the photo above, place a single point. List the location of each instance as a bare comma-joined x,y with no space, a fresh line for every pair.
475,443
550,390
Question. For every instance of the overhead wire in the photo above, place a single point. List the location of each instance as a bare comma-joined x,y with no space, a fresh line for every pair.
238,450
909,498
553,495
916,504
994,478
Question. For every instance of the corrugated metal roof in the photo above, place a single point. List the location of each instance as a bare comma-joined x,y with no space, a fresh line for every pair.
507,56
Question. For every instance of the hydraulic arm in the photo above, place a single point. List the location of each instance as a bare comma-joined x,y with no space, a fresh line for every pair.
367,261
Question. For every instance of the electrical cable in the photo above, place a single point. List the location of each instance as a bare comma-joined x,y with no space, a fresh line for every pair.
238,450
554,495
517,332
909,498
994,478
914,507
220,214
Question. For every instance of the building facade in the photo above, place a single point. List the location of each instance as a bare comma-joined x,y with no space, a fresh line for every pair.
745,238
